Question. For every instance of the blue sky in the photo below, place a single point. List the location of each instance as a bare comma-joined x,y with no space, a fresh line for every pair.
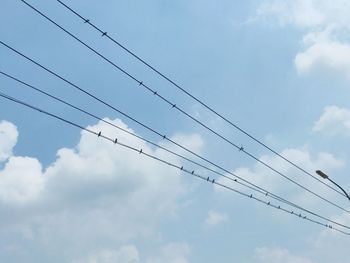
278,69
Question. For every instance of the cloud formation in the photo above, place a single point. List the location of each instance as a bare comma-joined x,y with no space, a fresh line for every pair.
333,241
260,175
333,121
278,255
326,27
170,253
215,218
125,254
91,193
21,180
8,139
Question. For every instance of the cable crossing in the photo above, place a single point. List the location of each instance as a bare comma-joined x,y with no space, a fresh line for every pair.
173,105
247,183
180,168
151,129
195,98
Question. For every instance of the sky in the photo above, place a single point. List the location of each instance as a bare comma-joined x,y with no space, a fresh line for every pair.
280,70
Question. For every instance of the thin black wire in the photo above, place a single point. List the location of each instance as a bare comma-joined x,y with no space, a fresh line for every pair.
173,105
104,33
180,168
136,121
255,188
249,185
122,113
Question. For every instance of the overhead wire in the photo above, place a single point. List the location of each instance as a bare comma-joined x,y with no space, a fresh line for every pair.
180,168
173,105
132,118
195,98
25,84
248,184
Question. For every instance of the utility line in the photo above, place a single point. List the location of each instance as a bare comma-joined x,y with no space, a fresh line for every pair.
151,129
147,127
133,119
180,168
173,105
25,84
177,86
249,185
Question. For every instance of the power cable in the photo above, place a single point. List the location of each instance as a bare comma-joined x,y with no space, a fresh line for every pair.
153,130
250,185
180,168
25,84
173,105
158,72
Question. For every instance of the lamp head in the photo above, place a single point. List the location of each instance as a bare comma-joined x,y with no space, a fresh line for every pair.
322,174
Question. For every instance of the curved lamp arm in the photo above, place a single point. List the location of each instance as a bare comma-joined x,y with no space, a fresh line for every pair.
325,176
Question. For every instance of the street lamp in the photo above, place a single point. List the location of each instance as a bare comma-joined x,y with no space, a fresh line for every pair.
325,176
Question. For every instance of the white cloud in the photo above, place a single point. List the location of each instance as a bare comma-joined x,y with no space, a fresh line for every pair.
125,254
172,253
301,13
94,192
332,55
326,25
305,14
192,141
21,180
333,241
264,177
8,139
278,255
334,121
322,246
215,218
